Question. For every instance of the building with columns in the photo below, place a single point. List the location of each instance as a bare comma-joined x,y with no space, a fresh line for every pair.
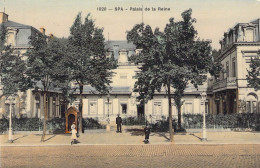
26,103
227,94
122,98
230,92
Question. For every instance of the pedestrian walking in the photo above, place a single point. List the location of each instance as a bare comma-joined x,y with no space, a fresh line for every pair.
147,131
119,123
73,134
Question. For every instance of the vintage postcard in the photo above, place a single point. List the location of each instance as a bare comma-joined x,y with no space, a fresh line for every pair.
128,83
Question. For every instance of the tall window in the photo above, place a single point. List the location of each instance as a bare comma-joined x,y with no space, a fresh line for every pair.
249,35
157,108
227,68
93,108
37,106
54,107
188,108
234,67
123,108
251,104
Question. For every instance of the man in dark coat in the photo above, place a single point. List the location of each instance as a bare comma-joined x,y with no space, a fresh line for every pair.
147,131
119,123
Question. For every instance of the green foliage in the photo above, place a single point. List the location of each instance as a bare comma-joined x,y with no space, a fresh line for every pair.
253,77
235,120
86,55
133,121
57,125
46,63
12,67
170,59
163,126
90,123
4,123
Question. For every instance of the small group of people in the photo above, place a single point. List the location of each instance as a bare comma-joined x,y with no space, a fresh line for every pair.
74,140
147,129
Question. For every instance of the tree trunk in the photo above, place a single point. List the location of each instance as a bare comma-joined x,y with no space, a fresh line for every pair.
179,118
170,113
45,117
80,108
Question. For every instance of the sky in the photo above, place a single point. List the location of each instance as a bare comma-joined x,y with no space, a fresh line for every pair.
214,17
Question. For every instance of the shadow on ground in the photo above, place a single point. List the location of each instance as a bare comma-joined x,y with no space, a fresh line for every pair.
196,136
135,132
20,137
140,132
50,138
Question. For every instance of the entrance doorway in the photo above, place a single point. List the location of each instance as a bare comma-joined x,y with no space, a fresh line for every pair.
140,110
71,119
71,115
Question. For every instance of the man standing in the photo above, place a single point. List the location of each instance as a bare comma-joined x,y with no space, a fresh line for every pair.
147,131
119,123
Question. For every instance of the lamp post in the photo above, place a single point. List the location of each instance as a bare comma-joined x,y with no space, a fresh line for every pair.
204,133
11,101
108,120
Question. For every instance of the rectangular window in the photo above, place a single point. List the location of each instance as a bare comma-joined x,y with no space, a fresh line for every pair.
254,106
92,108
54,109
227,68
157,108
124,108
188,108
234,67
7,109
37,110
249,35
248,107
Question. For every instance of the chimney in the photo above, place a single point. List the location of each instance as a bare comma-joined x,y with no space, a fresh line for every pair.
42,30
3,17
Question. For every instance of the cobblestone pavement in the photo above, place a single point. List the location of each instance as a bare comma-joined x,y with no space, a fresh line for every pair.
230,156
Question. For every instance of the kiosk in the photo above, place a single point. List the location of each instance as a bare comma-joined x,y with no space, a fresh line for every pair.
71,115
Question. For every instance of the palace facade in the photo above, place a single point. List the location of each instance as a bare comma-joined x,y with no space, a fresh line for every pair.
227,94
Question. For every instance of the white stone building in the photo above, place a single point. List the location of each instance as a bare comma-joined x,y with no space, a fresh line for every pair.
26,103
230,92
122,98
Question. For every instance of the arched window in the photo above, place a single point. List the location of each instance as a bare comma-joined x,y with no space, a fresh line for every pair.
251,103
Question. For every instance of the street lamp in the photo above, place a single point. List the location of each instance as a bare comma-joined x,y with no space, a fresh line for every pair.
108,120
204,133
11,101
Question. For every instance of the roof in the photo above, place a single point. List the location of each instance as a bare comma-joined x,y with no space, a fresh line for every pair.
257,21
121,45
115,90
10,23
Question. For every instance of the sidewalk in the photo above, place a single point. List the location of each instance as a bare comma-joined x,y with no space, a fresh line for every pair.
101,137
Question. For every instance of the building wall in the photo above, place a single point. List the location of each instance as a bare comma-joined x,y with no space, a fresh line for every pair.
22,38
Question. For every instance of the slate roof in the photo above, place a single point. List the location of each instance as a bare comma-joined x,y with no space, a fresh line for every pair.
115,90
121,44
10,23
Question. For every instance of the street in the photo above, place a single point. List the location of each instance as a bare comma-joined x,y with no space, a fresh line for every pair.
132,156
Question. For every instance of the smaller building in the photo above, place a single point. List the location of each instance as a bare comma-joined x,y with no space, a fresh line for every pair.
230,92
26,103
